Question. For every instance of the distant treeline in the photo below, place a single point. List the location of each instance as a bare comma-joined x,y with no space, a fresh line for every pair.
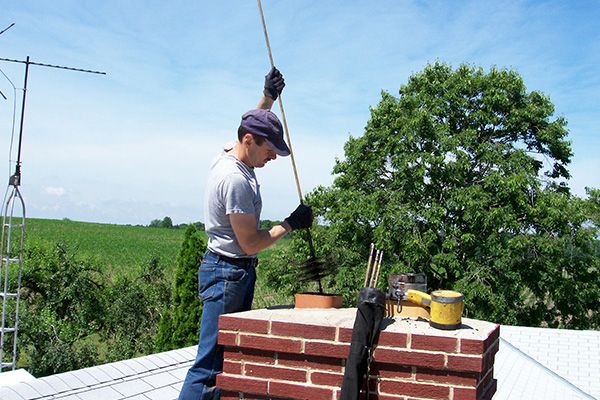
167,222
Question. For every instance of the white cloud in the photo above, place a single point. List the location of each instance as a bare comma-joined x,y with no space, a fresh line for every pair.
54,191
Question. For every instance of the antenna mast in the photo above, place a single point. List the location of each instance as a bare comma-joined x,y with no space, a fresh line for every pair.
13,235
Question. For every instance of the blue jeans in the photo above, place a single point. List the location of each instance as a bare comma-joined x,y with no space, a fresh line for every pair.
224,288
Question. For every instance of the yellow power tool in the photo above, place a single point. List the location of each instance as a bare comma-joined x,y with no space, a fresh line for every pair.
446,307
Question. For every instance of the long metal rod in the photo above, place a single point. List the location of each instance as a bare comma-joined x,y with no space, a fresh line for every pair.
52,66
378,269
22,116
10,26
374,268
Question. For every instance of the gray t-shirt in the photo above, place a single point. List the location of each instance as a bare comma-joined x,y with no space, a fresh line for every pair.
231,188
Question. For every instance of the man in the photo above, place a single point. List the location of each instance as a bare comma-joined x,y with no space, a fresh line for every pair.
232,210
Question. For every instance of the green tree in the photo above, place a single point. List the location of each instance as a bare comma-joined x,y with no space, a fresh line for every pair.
62,309
167,222
268,224
134,305
179,326
593,206
463,176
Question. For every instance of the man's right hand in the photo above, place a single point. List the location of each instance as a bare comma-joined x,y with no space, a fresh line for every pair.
274,84
301,218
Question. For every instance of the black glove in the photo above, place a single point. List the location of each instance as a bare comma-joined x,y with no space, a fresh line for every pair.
301,218
274,83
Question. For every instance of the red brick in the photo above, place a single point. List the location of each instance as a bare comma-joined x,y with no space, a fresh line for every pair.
493,336
471,346
232,368
326,378
460,363
450,377
489,358
272,372
463,393
478,393
494,347
394,339
227,338
414,389
270,343
474,346
300,391
329,349
390,371
303,330
308,361
345,335
253,355
235,383
409,358
434,343
230,323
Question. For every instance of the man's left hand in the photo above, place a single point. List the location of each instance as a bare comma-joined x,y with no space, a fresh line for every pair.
274,84
301,218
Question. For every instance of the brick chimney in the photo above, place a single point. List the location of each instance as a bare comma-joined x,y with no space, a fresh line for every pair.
301,353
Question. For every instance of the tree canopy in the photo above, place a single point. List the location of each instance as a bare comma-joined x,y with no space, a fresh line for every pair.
463,176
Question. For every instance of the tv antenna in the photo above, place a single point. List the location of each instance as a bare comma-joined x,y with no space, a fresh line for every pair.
1,32
13,235
5,29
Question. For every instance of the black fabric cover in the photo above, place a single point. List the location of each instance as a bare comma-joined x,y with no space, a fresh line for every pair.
371,308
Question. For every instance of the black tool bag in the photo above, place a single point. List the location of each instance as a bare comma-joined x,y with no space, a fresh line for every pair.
371,308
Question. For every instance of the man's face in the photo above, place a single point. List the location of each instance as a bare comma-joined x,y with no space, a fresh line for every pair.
260,155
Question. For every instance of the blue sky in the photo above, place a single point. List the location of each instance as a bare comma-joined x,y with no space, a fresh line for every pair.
136,144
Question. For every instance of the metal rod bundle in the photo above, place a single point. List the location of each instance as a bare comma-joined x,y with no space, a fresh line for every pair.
373,267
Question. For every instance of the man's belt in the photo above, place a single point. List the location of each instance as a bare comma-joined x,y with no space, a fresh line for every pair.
243,262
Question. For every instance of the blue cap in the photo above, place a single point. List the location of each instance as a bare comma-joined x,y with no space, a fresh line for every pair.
266,124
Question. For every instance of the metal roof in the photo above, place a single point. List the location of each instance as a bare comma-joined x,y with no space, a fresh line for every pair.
573,356
154,377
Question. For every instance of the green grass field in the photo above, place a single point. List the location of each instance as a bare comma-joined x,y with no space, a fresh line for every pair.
115,248
123,249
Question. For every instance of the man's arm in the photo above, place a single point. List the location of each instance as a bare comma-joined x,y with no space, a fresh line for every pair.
253,240
265,103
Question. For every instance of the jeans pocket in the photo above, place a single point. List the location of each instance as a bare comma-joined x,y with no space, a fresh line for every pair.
207,278
234,274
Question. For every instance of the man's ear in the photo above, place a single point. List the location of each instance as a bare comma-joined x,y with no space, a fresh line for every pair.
247,138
